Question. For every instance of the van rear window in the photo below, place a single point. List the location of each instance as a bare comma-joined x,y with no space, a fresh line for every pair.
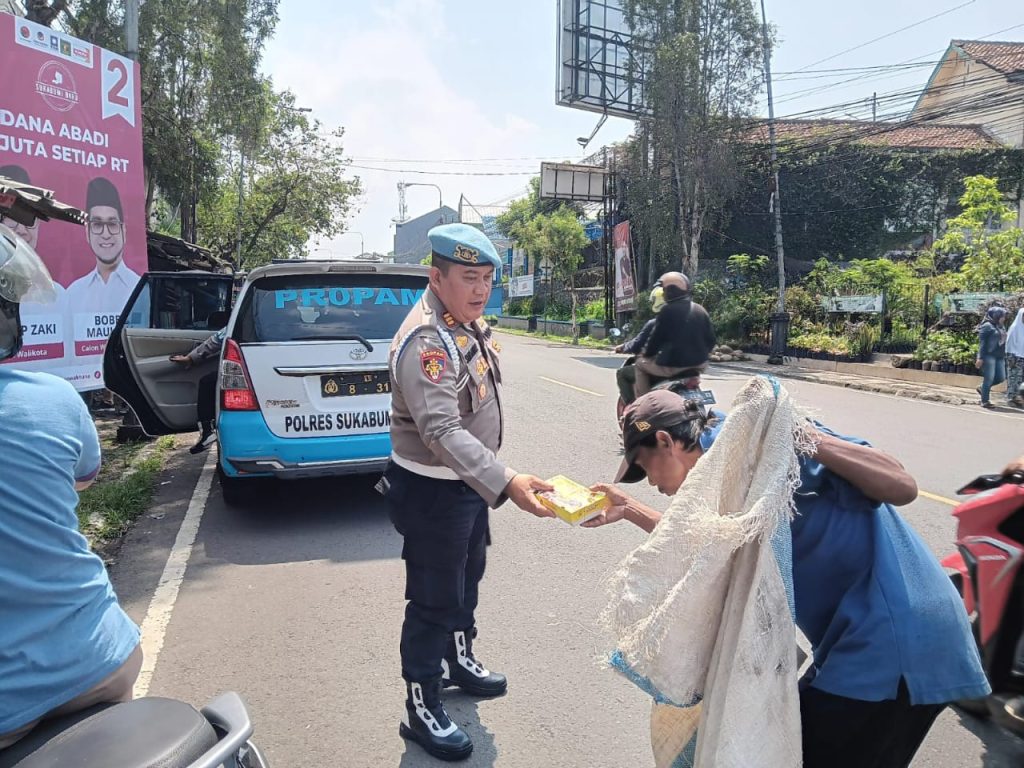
325,307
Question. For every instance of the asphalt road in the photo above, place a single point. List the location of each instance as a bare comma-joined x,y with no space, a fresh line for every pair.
296,601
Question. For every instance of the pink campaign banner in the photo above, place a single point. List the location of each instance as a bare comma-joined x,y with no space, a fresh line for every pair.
70,122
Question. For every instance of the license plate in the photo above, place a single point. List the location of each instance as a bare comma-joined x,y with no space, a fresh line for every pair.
352,384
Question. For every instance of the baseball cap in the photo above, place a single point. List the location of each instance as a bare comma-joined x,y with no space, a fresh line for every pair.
656,410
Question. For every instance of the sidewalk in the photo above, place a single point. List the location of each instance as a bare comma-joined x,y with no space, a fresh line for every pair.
878,382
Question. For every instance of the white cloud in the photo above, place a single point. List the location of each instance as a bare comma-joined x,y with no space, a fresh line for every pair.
384,83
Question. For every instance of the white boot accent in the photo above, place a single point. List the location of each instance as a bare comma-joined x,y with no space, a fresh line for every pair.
426,716
472,666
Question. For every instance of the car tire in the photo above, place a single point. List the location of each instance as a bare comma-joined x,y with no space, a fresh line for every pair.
232,489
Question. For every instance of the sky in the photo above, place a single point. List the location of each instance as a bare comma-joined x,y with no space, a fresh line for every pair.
427,89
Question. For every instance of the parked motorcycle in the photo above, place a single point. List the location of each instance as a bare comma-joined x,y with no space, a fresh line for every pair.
144,733
988,571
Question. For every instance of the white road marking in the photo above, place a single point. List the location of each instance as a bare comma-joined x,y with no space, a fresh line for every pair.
571,386
154,626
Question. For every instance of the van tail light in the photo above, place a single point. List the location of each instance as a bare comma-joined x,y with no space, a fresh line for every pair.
235,387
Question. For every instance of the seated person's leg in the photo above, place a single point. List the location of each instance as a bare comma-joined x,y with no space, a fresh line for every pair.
625,377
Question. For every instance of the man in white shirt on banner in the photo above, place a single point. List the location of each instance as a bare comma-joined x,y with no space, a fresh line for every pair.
98,298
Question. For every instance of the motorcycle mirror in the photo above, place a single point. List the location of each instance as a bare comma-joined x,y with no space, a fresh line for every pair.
988,482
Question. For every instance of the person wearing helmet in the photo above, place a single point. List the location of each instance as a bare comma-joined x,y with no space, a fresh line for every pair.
625,376
65,643
682,339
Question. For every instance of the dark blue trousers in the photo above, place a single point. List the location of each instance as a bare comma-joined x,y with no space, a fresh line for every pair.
445,527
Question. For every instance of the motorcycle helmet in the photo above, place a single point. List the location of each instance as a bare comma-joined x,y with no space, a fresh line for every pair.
676,285
657,298
23,277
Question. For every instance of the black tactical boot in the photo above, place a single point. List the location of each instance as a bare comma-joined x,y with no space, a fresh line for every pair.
460,668
427,723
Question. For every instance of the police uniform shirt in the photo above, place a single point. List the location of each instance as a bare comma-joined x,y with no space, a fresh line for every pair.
446,403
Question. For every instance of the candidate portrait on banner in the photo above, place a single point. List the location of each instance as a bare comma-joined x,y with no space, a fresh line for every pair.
45,324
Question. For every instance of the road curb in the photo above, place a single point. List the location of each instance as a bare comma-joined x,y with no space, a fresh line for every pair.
896,389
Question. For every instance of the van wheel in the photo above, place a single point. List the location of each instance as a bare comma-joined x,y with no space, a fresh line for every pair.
233,489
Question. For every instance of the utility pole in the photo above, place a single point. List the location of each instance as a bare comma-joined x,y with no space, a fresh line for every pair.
780,320
241,192
131,29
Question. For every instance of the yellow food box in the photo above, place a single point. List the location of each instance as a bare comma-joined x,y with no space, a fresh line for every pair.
573,502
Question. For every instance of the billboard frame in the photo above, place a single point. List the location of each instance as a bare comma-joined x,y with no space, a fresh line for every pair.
601,64
573,182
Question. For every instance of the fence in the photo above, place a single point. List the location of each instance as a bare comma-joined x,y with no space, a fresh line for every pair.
534,324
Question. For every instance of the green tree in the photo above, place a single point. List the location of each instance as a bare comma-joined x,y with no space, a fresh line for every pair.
516,220
202,91
559,239
706,59
296,189
993,254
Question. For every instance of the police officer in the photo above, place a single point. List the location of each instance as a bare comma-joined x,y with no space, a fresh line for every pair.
446,428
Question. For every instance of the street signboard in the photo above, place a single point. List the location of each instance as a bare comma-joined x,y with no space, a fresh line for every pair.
868,305
967,303
71,122
520,287
568,181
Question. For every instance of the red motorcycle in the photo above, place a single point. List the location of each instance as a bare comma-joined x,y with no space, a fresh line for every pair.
988,571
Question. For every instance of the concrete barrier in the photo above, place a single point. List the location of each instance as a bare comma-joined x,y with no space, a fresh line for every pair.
888,372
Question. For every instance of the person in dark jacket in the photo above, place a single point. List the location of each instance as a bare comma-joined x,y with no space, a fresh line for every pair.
991,352
625,376
683,337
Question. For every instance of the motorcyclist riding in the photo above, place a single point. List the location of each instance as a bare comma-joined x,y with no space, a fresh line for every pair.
625,376
681,339
65,643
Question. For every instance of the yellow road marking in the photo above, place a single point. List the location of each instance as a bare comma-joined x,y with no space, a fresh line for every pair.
940,499
571,386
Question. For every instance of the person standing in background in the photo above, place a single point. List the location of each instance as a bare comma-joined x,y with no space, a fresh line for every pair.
1015,360
991,353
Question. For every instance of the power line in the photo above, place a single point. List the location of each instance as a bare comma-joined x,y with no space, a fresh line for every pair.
888,34
793,95
548,158
442,173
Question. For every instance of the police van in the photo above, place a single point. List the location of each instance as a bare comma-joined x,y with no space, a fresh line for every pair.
303,385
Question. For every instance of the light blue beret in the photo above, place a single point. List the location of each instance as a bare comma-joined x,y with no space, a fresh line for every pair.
463,244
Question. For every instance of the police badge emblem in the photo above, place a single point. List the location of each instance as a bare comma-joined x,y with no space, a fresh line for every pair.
467,254
433,363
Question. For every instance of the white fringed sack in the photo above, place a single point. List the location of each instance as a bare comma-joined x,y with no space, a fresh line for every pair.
702,611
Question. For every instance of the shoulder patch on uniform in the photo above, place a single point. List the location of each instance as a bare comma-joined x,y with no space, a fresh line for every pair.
433,362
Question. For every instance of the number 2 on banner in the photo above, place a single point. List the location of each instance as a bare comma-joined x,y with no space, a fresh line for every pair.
118,92
118,86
